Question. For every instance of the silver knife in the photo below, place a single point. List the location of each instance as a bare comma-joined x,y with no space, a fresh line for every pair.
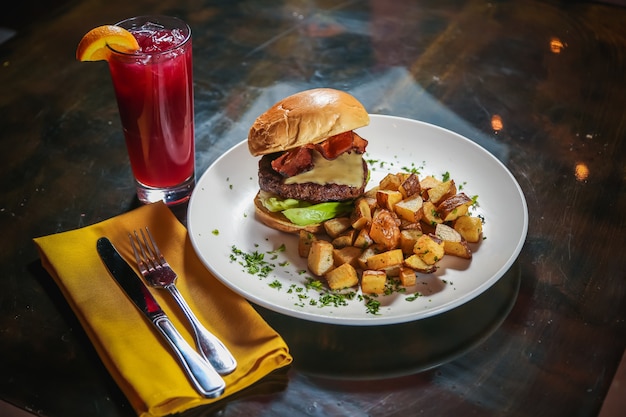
204,378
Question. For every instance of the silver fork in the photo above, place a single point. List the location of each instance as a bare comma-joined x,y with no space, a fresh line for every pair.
159,274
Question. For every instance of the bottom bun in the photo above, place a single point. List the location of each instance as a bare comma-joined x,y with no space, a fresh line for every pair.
279,222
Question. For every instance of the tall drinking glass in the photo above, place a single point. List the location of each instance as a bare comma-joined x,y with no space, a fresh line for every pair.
154,90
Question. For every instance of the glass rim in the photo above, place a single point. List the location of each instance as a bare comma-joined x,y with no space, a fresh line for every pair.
159,20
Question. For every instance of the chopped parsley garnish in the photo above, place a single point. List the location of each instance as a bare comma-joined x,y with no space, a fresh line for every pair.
276,284
314,284
394,285
376,163
254,263
413,297
372,305
335,299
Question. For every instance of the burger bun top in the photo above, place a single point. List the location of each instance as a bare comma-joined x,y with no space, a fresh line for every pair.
307,117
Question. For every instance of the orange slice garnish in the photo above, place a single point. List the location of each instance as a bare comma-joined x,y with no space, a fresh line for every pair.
93,46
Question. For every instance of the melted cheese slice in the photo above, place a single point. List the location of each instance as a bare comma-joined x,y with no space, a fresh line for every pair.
346,169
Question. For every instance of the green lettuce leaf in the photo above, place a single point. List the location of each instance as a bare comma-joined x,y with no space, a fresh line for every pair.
275,204
303,213
317,213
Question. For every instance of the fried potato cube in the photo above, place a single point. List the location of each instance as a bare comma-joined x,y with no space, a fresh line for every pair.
427,183
320,259
408,238
454,206
405,225
344,276
441,192
417,264
410,209
385,259
471,228
390,182
372,202
363,239
430,214
410,186
373,282
347,255
392,271
370,251
362,214
387,199
459,249
338,225
344,239
407,276
445,232
453,242
305,239
429,248
384,229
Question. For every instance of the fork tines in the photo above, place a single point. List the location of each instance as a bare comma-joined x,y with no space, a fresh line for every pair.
148,253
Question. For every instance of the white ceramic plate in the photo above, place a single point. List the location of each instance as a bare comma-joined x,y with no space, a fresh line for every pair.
221,217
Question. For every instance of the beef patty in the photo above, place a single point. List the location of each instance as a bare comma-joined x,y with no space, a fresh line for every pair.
271,181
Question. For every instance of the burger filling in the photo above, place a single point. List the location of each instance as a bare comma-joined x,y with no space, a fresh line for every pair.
346,169
315,182
296,161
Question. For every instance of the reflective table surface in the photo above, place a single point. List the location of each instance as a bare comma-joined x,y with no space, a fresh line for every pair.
539,84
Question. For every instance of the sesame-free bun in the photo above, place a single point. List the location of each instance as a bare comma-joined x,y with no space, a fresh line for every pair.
310,116
278,221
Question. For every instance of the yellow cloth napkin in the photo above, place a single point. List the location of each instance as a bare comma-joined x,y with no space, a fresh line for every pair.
134,353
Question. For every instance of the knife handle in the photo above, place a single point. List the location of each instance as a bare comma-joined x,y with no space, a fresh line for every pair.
205,379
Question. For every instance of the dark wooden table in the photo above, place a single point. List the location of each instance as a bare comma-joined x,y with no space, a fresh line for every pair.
546,340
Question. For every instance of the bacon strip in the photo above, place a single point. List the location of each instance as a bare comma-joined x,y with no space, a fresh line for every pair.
300,159
334,146
358,143
293,162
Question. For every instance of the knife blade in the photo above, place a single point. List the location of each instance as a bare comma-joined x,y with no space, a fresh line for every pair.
203,377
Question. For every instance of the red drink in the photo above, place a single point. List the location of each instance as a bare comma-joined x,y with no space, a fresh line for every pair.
154,90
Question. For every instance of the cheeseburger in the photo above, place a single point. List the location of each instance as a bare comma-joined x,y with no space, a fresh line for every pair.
311,167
